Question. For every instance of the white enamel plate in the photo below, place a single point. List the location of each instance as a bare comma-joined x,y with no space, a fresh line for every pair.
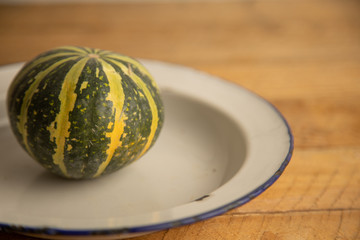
220,147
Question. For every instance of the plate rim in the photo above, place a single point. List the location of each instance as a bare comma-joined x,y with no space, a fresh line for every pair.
55,231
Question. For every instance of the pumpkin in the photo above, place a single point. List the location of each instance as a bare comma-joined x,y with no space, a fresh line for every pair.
82,112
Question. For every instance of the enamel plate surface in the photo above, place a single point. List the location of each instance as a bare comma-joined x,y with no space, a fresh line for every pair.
220,147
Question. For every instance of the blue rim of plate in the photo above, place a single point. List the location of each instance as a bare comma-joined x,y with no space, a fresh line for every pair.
170,224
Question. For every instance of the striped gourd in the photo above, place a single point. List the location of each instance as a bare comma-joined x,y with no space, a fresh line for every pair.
83,112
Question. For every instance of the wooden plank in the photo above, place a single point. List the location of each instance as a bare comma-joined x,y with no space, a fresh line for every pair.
292,225
311,80
250,31
315,180
338,224
322,123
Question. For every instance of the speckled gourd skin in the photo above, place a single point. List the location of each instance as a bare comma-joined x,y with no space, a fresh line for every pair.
82,112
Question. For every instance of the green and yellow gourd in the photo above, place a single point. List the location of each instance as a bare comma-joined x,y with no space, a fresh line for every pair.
83,112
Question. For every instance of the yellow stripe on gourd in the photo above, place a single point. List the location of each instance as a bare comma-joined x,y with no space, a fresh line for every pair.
151,101
88,50
117,97
59,128
34,63
33,88
98,51
132,61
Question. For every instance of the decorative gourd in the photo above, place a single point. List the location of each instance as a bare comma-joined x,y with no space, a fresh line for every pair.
83,112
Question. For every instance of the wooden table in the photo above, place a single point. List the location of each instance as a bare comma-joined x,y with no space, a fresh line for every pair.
303,56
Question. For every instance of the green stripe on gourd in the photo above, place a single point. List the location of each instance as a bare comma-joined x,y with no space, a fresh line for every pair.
83,112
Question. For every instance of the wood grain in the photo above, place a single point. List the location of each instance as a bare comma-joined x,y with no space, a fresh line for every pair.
337,225
302,56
